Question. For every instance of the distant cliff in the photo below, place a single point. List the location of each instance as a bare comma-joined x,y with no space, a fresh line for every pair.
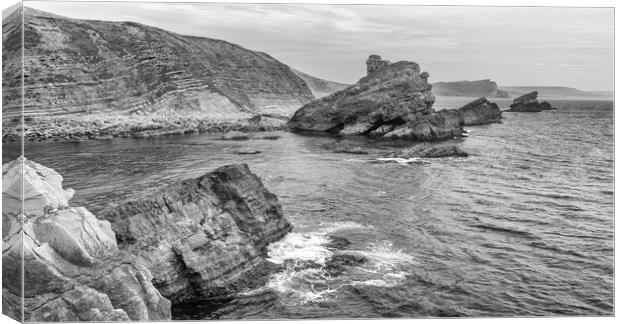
550,92
76,67
319,87
480,88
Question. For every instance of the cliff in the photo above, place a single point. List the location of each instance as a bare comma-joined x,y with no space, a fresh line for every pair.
480,88
199,238
319,87
553,92
76,68
393,100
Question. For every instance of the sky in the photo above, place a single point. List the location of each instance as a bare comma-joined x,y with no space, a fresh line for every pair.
514,46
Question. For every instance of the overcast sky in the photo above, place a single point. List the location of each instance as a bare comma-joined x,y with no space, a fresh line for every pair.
510,45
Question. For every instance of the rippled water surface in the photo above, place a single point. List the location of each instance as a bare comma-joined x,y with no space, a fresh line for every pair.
524,226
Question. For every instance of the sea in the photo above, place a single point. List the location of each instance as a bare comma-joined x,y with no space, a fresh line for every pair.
524,226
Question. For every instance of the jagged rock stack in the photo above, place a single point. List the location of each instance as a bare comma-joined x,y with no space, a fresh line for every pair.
394,100
529,103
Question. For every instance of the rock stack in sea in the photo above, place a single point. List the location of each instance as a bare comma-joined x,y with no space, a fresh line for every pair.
478,112
394,100
529,103
199,238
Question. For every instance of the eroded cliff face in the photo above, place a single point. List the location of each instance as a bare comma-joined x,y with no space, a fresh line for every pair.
84,67
203,237
197,239
394,100
73,268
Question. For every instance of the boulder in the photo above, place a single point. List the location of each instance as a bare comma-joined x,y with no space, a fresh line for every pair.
73,268
394,101
529,103
479,112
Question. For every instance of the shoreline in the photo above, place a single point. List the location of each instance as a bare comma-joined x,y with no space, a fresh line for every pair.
83,128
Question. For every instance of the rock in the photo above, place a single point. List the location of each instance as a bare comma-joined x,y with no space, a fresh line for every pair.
267,137
246,151
392,101
235,136
529,103
547,106
338,263
73,268
429,151
337,148
216,230
479,112
196,239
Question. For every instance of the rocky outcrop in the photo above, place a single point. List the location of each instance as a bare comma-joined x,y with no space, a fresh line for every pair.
197,239
74,270
319,87
76,68
480,88
478,112
529,103
202,238
392,101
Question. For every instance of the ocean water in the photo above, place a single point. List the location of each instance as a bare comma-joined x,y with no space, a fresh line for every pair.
521,227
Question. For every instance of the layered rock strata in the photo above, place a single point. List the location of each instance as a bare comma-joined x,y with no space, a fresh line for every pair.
200,238
529,103
394,101
204,237
75,68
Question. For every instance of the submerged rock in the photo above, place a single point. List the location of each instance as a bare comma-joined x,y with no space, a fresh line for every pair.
235,136
429,151
74,269
246,151
392,101
529,103
338,263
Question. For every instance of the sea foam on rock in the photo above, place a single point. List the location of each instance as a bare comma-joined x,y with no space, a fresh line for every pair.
199,238
394,101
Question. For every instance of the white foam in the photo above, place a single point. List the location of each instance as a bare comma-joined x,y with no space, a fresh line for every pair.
299,246
403,161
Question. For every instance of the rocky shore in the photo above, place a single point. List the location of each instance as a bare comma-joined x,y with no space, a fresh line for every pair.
200,238
99,127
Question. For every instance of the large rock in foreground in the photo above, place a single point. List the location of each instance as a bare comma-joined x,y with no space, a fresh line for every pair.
394,100
529,103
73,268
204,237
196,239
